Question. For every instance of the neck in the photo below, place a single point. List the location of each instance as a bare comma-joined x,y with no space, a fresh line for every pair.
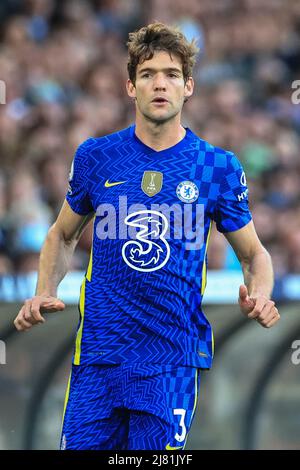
159,136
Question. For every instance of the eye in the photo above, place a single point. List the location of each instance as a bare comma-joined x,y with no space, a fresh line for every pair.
145,75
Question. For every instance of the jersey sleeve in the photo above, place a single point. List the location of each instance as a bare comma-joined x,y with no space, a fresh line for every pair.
78,195
231,210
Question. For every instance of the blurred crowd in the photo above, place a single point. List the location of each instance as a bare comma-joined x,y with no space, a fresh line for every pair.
64,67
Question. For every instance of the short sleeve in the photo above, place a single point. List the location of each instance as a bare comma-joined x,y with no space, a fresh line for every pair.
78,195
232,211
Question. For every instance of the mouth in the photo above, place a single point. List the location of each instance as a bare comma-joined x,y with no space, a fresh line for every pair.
159,100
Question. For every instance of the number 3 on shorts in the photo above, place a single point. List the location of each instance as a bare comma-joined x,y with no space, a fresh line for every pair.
181,412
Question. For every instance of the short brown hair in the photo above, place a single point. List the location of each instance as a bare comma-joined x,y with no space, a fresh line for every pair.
159,37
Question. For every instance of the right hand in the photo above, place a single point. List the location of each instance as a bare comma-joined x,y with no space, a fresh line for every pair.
30,313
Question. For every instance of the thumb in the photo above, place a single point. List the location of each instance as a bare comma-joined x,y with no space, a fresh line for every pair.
53,303
245,301
60,305
243,293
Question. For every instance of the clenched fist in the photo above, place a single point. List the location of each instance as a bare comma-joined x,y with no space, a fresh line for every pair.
31,312
259,308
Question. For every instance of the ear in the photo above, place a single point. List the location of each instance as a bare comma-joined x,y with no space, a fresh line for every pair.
130,89
189,87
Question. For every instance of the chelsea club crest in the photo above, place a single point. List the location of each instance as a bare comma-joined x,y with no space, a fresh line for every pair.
187,191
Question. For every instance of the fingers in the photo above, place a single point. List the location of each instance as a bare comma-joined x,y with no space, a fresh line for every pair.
39,304
274,320
260,304
265,312
35,310
20,322
269,316
32,311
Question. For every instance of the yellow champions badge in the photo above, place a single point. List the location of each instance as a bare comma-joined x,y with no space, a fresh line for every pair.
152,182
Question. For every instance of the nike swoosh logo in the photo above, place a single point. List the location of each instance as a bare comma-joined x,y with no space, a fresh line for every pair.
107,184
168,447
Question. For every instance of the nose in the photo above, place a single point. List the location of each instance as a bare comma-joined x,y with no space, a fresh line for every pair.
159,82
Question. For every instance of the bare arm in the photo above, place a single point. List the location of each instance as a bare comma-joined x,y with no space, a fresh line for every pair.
255,260
58,249
254,296
54,263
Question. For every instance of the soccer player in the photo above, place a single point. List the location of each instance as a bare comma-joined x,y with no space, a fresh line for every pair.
153,190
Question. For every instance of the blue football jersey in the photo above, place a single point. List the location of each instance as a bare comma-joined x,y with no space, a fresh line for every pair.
141,296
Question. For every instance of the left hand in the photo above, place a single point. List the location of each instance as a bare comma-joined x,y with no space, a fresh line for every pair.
259,308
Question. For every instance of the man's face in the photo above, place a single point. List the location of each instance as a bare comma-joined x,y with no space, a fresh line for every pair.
159,89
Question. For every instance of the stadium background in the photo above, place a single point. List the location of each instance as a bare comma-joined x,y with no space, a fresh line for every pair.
64,67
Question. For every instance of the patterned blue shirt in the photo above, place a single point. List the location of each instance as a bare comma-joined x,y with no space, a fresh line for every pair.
141,296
